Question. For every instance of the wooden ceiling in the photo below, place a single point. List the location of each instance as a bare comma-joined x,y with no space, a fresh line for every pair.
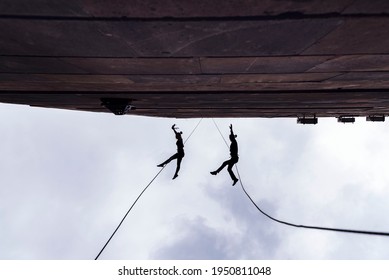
185,59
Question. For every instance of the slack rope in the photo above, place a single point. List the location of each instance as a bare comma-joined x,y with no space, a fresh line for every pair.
136,200
292,224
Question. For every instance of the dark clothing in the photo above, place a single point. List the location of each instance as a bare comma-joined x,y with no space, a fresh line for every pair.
179,155
234,148
233,160
230,164
180,146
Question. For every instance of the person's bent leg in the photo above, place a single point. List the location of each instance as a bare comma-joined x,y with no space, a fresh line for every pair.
179,160
168,160
232,175
224,164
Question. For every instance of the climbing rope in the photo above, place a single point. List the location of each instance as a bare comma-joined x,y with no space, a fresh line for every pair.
221,134
194,129
129,210
292,224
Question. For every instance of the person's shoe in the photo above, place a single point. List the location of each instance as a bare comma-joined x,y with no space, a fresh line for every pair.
175,176
235,181
213,172
160,165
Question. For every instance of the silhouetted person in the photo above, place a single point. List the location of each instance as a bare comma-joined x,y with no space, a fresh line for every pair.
234,158
179,155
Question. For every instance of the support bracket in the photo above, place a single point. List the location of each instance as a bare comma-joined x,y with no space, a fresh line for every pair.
118,106
307,120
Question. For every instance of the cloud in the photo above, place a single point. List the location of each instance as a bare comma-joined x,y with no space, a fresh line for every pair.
195,240
69,177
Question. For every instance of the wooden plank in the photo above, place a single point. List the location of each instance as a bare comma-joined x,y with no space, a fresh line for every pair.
160,39
271,64
139,66
355,36
107,86
168,8
239,104
354,63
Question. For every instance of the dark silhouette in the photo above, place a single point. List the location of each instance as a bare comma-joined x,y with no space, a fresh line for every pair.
234,158
179,155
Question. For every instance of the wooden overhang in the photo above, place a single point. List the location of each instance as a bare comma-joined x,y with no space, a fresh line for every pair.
187,59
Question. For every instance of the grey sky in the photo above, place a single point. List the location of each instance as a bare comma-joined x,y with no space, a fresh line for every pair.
69,177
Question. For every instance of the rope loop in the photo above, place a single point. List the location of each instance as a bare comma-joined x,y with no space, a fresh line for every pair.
292,224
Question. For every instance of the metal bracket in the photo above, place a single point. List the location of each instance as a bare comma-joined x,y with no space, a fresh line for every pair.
307,120
346,119
375,118
118,106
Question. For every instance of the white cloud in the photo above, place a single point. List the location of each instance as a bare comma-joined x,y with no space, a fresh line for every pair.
69,177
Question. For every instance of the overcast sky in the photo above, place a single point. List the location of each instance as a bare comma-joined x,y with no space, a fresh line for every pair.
68,178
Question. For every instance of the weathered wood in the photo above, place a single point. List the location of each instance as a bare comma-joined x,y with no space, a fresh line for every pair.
198,58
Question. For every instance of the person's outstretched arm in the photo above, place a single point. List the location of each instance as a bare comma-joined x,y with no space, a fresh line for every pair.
178,134
231,131
174,129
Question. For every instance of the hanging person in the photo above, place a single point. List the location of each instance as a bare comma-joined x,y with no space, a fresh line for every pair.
180,152
234,158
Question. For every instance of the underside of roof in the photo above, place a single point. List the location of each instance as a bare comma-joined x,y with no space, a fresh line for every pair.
187,59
